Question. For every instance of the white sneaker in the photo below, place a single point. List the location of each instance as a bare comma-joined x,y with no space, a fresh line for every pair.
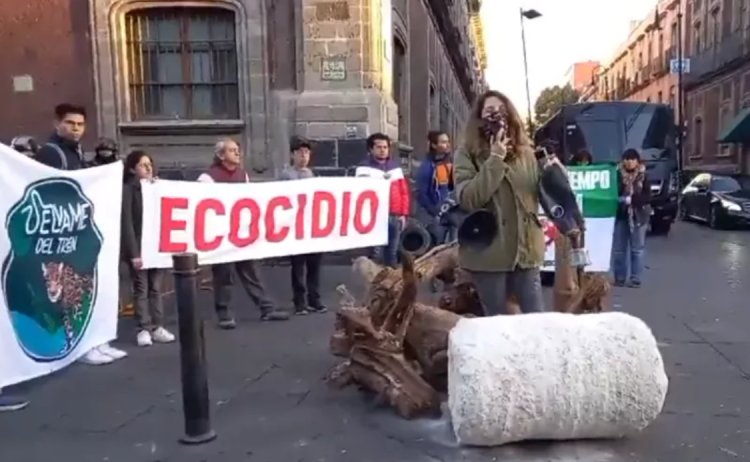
112,352
162,335
143,339
95,358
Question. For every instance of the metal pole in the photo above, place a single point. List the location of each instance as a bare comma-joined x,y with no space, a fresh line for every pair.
680,97
526,72
195,403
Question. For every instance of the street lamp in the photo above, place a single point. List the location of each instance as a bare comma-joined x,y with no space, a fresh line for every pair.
680,91
527,14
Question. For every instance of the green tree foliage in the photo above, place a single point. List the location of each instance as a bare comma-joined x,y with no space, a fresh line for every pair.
551,99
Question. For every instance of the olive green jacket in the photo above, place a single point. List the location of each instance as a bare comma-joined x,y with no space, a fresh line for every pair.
511,190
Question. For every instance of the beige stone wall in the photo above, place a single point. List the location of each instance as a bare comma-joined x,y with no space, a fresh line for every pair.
360,104
183,141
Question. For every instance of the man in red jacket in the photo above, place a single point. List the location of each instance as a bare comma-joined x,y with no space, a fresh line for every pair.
380,164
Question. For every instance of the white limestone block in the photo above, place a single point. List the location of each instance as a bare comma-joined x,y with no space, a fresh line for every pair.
553,376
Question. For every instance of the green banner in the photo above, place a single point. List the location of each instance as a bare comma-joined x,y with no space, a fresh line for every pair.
596,189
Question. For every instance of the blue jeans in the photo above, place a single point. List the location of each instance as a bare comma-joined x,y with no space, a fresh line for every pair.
628,247
389,252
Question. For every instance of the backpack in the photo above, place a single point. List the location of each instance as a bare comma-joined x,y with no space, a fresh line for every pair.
63,157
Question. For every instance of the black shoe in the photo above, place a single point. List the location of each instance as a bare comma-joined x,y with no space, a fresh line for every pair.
634,284
301,310
274,315
619,283
226,320
317,308
10,403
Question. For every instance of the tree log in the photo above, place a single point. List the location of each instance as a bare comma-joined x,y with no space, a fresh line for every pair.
376,348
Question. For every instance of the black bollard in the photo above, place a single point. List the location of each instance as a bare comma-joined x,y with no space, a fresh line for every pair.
195,404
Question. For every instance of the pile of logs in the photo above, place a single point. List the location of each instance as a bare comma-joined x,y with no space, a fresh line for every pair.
396,347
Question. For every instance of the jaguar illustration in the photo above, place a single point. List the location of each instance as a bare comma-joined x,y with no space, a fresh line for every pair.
66,289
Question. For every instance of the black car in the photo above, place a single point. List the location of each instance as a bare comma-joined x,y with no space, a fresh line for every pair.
717,200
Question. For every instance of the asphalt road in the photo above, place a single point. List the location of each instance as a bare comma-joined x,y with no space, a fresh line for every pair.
269,403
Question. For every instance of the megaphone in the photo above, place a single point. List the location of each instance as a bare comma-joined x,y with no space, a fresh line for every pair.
415,239
559,203
478,229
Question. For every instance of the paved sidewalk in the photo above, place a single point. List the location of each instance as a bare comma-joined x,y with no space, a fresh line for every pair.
269,403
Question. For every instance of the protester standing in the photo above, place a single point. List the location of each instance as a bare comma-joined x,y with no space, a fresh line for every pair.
63,148
146,283
496,170
105,152
379,159
631,220
26,145
227,168
63,151
582,158
305,267
434,182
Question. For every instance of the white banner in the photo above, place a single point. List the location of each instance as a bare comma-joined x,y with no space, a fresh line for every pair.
60,247
226,222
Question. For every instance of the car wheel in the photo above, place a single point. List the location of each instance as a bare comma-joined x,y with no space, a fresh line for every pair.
713,218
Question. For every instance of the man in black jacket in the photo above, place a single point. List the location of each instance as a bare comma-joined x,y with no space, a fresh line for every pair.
63,149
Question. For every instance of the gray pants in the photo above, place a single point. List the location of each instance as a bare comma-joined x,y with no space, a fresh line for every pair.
248,274
494,287
147,294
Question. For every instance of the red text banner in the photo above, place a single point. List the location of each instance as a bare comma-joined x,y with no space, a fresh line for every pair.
227,222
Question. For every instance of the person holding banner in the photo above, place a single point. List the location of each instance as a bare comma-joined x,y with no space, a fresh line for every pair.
227,168
63,151
146,283
305,267
496,171
380,164
631,221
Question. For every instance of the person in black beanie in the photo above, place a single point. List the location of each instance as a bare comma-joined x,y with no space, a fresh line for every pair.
106,152
305,267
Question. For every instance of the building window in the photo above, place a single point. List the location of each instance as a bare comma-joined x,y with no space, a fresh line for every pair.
399,88
445,113
697,39
434,115
660,97
697,137
182,64
714,28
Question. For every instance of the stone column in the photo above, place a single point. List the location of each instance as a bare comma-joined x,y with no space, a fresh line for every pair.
347,74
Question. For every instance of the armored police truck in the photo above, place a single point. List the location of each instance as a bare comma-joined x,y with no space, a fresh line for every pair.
607,128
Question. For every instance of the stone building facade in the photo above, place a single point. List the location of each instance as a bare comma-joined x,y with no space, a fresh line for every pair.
717,89
172,76
639,70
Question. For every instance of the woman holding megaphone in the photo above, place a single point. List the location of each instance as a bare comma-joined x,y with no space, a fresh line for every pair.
501,243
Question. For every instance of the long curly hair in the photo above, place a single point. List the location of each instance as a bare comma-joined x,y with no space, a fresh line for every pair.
474,140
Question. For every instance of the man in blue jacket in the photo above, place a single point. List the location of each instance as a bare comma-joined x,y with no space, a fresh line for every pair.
434,183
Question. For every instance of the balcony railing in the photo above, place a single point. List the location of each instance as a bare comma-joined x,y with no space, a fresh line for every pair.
647,72
658,67
713,59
